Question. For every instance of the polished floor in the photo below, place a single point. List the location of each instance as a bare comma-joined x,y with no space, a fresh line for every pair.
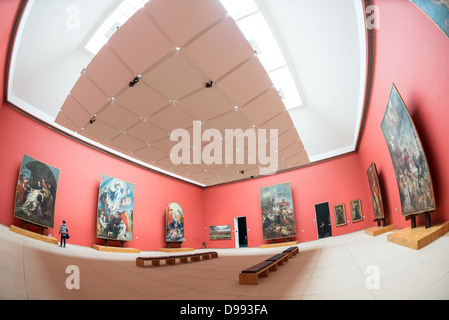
352,266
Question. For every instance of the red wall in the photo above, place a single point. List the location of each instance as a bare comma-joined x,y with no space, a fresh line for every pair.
411,52
336,181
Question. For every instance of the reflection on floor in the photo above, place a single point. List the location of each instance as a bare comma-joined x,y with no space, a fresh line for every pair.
352,266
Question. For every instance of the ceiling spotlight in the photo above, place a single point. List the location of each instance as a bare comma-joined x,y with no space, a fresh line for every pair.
135,80
209,84
92,119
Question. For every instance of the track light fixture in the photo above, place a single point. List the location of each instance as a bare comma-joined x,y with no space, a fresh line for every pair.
135,80
92,119
209,84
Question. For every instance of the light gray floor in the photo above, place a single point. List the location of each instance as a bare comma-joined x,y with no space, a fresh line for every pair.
352,266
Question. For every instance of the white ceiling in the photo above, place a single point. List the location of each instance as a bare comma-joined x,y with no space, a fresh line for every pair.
323,42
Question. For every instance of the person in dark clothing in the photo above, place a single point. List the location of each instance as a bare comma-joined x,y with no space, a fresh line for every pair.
63,231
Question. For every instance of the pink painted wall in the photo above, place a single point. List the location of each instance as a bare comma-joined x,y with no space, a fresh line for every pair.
411,52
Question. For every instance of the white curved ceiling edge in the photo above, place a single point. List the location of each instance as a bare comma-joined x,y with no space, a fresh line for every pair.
279,14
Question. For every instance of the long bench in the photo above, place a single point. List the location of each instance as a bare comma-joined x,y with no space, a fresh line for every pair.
252,274
156,261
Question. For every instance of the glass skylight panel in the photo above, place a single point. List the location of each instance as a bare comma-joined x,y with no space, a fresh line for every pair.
119,16
258,33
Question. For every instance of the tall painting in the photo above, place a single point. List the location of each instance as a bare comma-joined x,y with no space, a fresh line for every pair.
174,223
36,192
376,194
409,161
115,209
437,10
278,216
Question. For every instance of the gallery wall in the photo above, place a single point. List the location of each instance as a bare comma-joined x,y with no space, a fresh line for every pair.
411,52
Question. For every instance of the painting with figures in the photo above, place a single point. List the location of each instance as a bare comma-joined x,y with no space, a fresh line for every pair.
278,216
115,209
174,223
36,192
407,154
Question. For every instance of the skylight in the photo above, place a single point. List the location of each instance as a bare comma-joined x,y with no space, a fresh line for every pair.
119,16
258,33
250,21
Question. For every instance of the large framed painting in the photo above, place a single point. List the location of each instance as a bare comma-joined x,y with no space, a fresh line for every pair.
174,223
437,11
356,210
407,154
115,209
278,216
340,214
222,232
36,192
376,194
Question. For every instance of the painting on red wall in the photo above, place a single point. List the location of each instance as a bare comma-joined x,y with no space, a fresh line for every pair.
278,216
115,209
409,161
174,223
437,10
356,210
376,194
36,192
340,214
222,232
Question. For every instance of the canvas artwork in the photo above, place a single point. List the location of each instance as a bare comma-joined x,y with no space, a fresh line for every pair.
220,232
407,154
340,214
278,216
356,210
115,209
437,10
36,192
376,195
174,223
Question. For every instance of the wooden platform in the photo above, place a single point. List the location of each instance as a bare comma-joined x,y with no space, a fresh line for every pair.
418,237
375,231
175,249
280,244
115,249
33,235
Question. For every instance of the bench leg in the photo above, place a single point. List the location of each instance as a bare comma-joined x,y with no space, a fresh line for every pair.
195,258
248,278
156,263
184,260
140,263
170,261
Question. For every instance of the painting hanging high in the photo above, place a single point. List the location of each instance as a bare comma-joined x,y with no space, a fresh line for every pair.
36,192
174,223
278,216
409,161
115,209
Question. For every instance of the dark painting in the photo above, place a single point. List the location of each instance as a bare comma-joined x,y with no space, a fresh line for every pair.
376,194
409,161
36,192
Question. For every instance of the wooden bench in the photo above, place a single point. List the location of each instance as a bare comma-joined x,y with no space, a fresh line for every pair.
156,261
252,274
292,251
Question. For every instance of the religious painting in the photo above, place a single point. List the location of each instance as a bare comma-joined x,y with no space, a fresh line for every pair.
407,154
278,216
356,210
220,232
36,192
376,194
115,209
437,11
340,214
174,223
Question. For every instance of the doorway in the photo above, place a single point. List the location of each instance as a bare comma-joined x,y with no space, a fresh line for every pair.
241,239
323,220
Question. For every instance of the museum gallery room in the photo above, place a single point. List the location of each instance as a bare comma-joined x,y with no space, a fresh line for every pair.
224,150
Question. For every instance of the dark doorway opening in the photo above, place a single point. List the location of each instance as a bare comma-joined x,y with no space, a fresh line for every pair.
323,220
242,234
